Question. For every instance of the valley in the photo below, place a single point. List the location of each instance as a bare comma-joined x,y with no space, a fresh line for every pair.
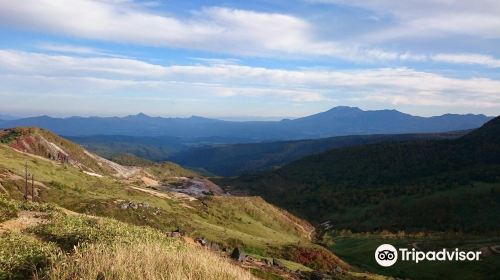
442,193
336,206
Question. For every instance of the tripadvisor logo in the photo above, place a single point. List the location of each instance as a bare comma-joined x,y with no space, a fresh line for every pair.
387,255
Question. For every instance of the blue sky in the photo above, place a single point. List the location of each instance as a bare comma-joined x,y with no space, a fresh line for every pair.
248,59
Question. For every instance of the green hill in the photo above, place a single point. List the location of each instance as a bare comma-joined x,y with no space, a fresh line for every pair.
137,197
446,185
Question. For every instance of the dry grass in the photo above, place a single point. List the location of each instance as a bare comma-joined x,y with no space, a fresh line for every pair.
152,261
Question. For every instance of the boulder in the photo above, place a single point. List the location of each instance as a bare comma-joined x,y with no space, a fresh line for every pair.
267,262
213,246
238,254
201,240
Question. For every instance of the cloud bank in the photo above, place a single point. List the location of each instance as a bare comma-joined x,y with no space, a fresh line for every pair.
396,86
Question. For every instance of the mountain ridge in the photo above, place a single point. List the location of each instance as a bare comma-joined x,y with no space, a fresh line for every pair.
338,121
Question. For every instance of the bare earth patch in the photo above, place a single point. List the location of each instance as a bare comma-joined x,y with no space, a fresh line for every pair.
24,220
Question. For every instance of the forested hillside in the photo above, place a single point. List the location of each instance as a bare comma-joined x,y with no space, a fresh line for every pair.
413,185
236,159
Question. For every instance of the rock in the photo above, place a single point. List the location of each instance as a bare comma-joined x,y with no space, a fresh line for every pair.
202,241
213,246
175,234
238,254
338,270
278,263
124,206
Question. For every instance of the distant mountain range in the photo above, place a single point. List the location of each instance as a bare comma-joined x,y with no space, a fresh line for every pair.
6,117
334,122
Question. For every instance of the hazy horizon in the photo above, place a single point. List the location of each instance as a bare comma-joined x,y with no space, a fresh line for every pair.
225,118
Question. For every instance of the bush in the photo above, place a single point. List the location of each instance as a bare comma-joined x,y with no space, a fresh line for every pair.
69,231
22,256
8,209
35,206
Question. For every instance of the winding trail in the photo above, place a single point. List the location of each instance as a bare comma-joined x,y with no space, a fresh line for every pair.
175,196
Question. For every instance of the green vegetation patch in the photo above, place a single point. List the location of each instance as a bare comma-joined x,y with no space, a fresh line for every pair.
21,256
69,231
7,136
8,209
264,274
358,250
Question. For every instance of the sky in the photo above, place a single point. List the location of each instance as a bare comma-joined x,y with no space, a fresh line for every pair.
248,59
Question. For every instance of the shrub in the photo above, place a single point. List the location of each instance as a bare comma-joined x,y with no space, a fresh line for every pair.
22,256
8,209
35,206
69,231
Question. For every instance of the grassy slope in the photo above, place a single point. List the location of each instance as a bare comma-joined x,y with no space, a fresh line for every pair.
34,138
249,222
88,248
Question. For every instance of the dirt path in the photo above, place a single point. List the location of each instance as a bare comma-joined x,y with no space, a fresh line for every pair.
167,196
149,182
120,170
11,176
24,220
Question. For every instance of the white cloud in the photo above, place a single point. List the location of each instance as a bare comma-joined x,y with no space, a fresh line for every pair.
73,49
431,18
468,58
67,48
244,32
215,29
84,75
212,29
